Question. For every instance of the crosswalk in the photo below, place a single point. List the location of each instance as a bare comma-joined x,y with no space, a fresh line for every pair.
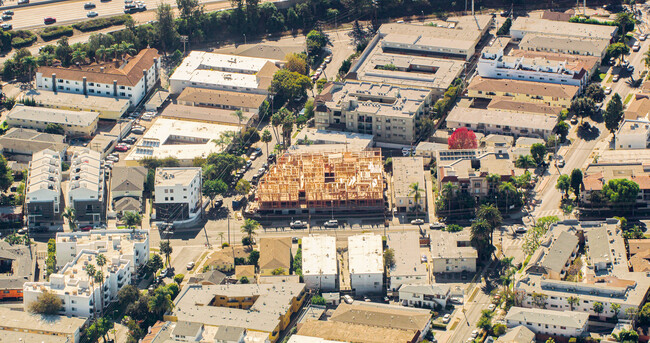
556,212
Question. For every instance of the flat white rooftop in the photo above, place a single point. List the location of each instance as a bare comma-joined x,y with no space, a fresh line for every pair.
365,254
182,139
319,255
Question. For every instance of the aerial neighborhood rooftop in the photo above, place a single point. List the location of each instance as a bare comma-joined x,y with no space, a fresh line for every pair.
324,172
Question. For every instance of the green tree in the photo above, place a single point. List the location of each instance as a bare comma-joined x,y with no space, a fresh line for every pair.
525,161
595,92
154,263
166,249
582,107
627,336
46,303
266,138
289,85
562,130
416,193
253,257
6,174
132,219
616,309
573,302
165,27
278,271
448,190
389,258
598,308
316,41
480,238
576,181
243,280
239,115
249,228
128,295
614,114
625,22
178,278
79,56
100,260
161,301
563,184
538,152
622,191
243,187
297,63
499,330
54,128
69,213
509,190
485,321
212,188
539,299
318,300
188,8
490,214
309,108
618,50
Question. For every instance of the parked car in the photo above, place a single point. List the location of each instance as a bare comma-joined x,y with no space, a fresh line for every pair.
92,14
112,158
608,90
298,224
642,37
86,228
121,148
417,221
521,229
190,265
89,6
8,12
630,68
491,307
348,299
48,20
437,226
616,77
23,231
22,2
331,223
7,17
423,259
129,140
7,26
294,239
446,318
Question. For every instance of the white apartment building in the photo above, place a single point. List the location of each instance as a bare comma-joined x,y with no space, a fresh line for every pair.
408,268
565,45
177,194
493,64
319,264
528,25
429,296
389,113
131,80
86,189
43,189
82,296
452,252
548,322
74,123
366,263
516,124
202,69
633,134
408,171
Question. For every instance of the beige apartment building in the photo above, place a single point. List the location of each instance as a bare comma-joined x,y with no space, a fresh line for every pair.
527,91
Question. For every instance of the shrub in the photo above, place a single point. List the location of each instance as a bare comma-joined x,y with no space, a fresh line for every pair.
318,300
54,32
178,278
101,23
22,38
454,228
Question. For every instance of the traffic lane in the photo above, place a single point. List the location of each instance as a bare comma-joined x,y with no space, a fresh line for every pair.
185,256
71,11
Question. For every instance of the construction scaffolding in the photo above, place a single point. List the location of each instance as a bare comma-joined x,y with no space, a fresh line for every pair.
352,180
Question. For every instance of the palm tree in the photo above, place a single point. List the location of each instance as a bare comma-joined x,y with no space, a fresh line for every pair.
276,120
572,301
127,48
221,236
132,219
480,237
29,65
525,161
240,116
79,56
448,190
249,227
266,138
166,249
225,138
493,181
70,214
507,188
100,260
100,53
109,51
492,216
117,50
287,128
416,192
646,58
45,59
91,271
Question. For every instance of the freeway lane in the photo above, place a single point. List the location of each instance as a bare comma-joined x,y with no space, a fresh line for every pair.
73,11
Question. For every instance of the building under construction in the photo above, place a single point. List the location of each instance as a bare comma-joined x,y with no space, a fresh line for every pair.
313,183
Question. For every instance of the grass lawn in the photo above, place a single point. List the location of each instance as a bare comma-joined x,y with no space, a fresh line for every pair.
628,98
609,79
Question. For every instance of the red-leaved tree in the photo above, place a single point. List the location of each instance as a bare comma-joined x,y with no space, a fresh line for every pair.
462,138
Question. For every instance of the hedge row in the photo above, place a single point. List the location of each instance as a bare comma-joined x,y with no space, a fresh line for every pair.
54,32
101,23
22,38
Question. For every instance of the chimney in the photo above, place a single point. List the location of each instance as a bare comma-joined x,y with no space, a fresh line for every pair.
144,74
85,86
115,88
54,82
155,69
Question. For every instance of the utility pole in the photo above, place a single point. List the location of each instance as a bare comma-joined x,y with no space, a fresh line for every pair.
472,7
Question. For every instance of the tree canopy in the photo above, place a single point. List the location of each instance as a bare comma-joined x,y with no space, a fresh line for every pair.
621,191
614,113
288,84
462,138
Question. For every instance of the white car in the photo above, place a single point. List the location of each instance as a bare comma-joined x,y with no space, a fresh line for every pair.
474,334
491,307
608,90
446,318
417,222
112,159
615,79
642,37
190,265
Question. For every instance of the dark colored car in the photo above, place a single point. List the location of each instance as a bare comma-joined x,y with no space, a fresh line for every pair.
49,20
